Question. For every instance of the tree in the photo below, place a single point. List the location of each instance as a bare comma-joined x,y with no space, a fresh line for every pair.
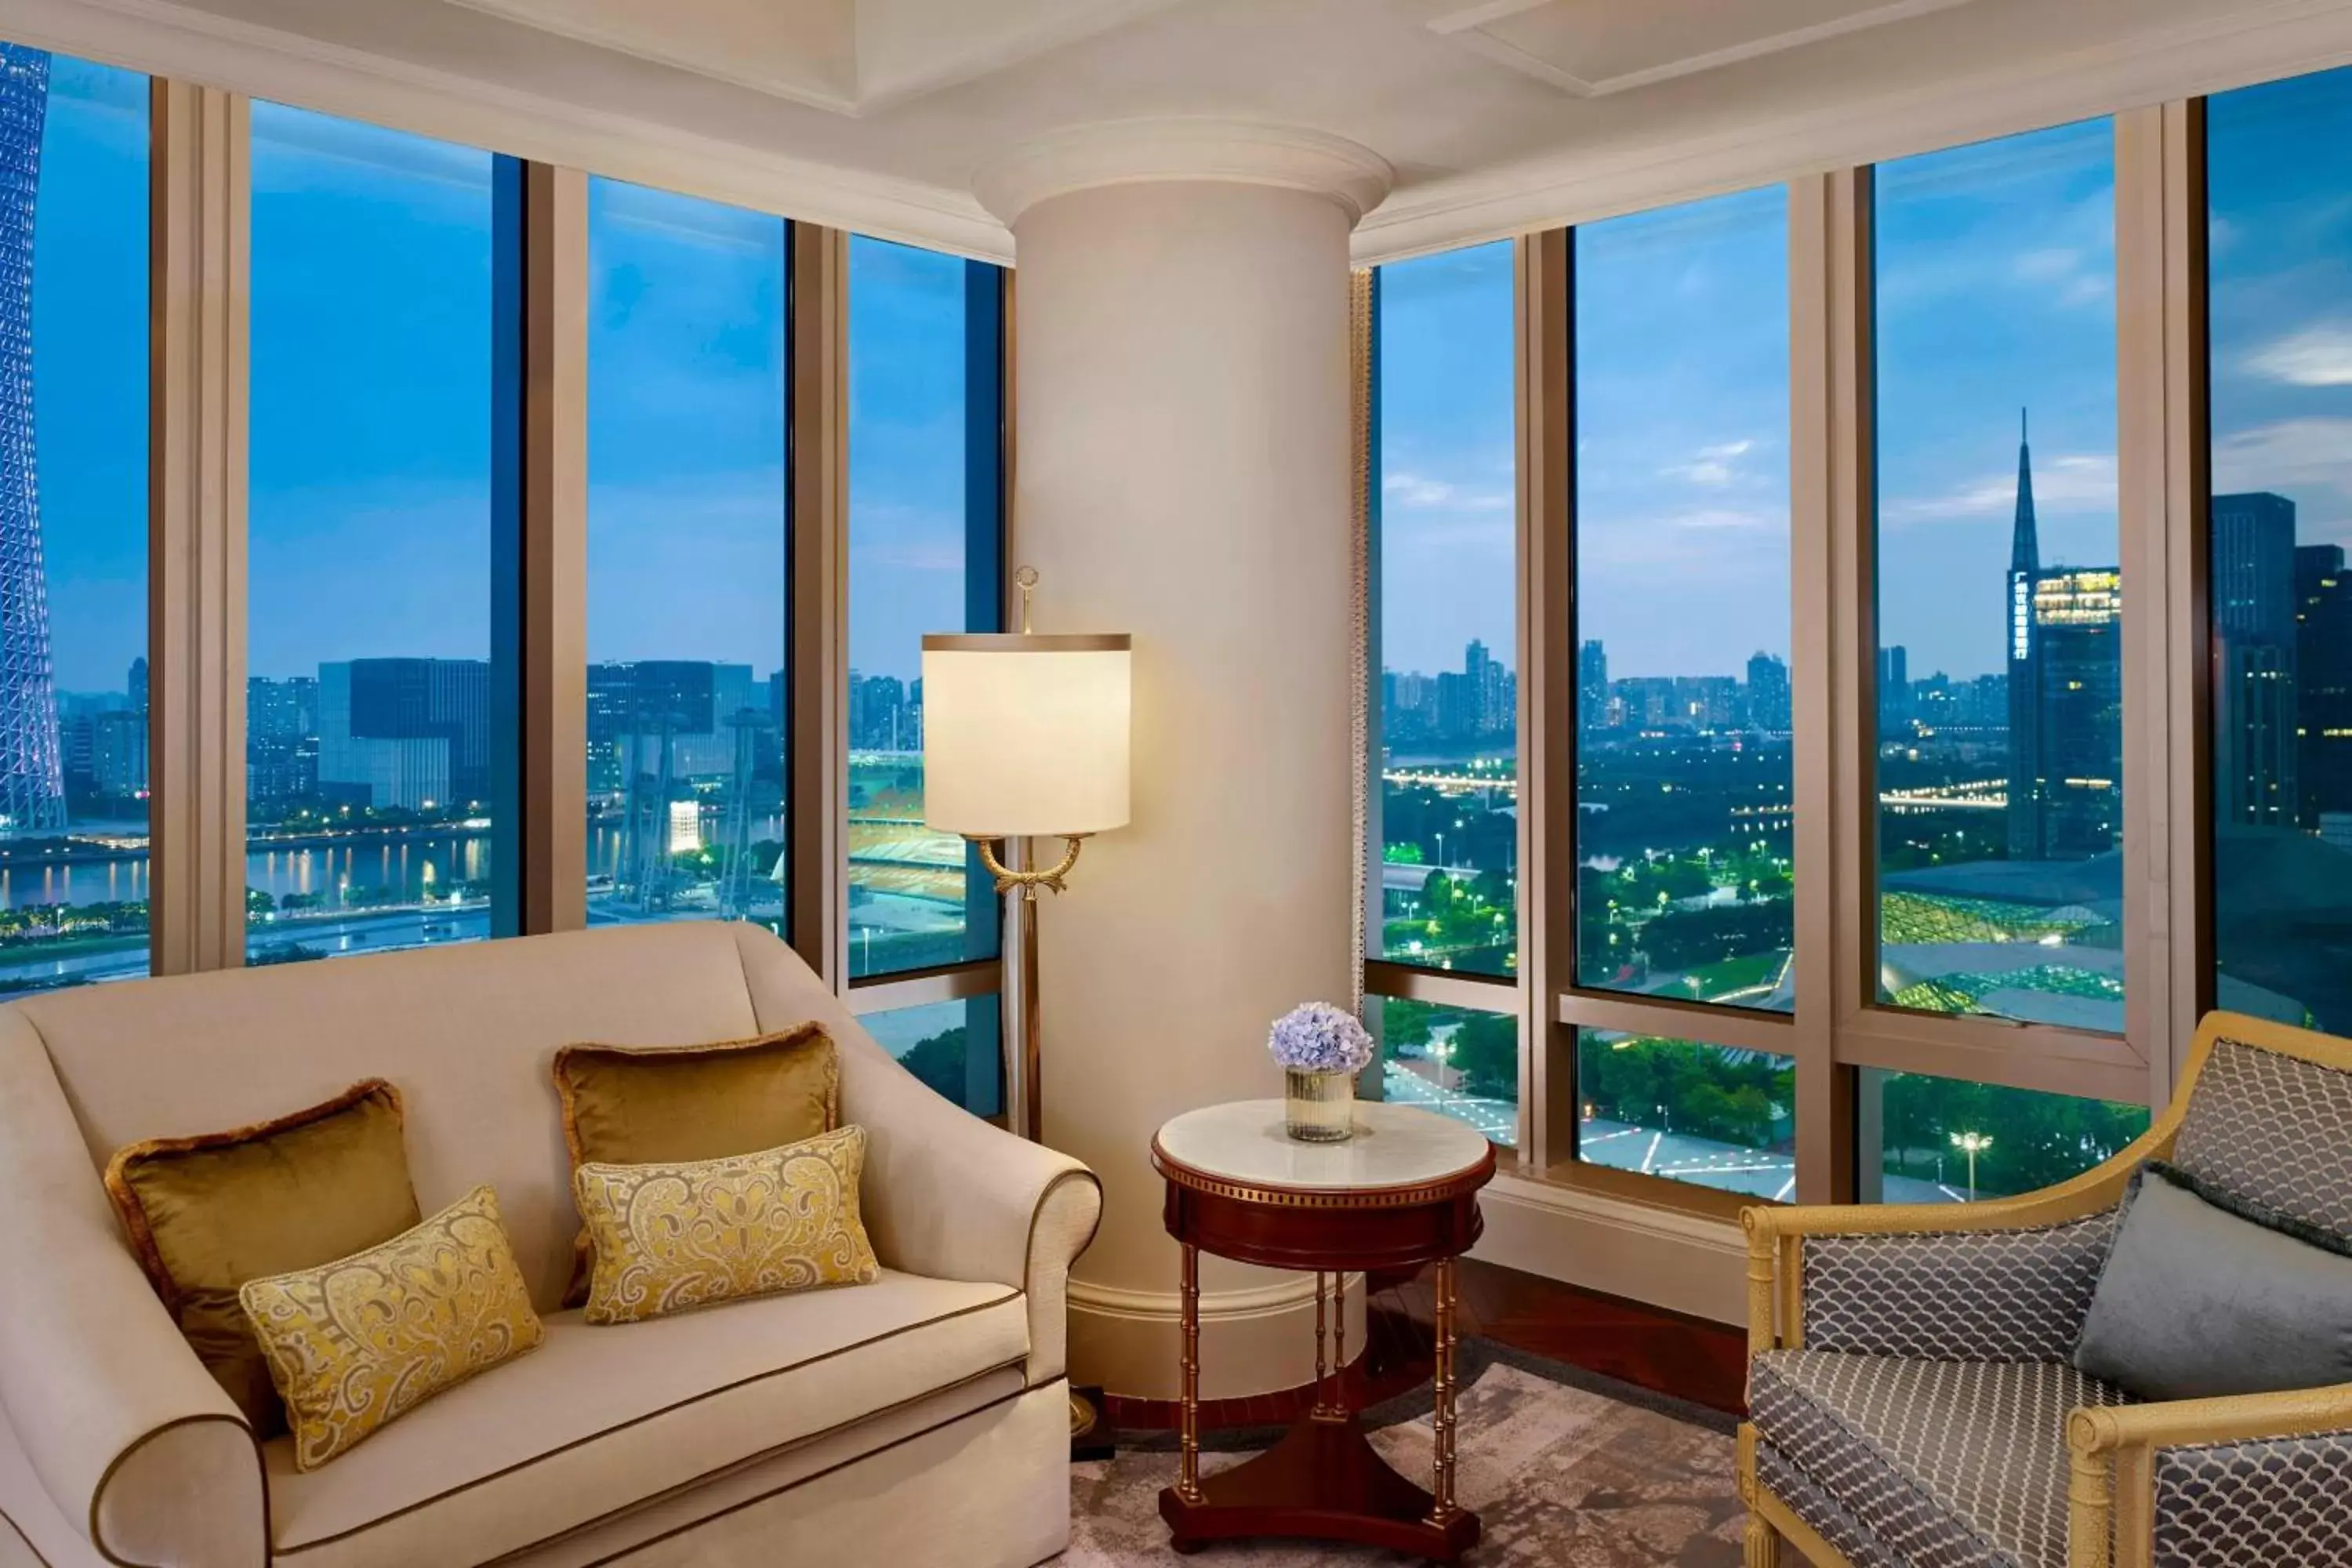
938,1061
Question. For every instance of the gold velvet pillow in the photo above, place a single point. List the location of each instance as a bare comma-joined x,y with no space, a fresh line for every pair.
671,1238
355,1344
207,1213
628,1105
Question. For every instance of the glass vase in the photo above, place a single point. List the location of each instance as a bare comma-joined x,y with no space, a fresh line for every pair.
1320,1106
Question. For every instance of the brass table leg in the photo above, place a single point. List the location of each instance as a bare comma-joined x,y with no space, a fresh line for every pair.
1339,1343
1441,1507
1324,1409
1188,1480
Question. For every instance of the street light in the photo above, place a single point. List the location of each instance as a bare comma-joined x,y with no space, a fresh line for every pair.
1972,1144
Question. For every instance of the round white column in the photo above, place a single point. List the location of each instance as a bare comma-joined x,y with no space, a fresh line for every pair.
1184,473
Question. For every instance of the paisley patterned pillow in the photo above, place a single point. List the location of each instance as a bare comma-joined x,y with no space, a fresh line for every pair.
355,1344
670,1237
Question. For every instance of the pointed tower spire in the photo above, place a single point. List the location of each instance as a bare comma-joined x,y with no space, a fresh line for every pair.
2025,545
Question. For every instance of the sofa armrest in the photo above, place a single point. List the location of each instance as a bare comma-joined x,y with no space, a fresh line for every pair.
2251,1478
2008,1280
949,1195
130,1436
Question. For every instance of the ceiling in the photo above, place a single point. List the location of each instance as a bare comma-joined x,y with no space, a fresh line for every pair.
1494,115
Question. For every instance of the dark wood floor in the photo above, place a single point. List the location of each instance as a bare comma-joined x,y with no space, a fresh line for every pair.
1704,1362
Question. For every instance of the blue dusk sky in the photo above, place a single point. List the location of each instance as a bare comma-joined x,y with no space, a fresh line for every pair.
370,446
1995,291
371,408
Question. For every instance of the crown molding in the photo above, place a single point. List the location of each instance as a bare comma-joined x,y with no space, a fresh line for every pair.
2288,38
1141,151
166,39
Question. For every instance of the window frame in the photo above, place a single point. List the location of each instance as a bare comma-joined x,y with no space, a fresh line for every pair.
1839,1027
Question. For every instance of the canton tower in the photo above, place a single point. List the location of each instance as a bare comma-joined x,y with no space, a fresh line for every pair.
32,778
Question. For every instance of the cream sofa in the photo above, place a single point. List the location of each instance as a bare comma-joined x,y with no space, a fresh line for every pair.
923,1419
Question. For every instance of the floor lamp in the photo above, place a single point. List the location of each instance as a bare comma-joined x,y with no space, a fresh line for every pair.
1025,735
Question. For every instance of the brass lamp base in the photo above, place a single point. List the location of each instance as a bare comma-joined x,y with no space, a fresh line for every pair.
1028,882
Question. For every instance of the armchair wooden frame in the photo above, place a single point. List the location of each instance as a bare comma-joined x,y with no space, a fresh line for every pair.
2110,1491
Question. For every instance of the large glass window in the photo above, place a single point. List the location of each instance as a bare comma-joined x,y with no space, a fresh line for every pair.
385,375
2279,177
1940,1140
1444,623
1687,1111
73,521
956,1047
1999,688
688,387
1682,696
926,545
1456,1060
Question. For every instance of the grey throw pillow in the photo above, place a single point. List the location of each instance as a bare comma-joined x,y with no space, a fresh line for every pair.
2196,1300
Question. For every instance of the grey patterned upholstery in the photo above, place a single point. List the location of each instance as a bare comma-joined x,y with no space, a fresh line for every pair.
1992,1295
1946,1464
1823,1513
2285,1500
2268,1130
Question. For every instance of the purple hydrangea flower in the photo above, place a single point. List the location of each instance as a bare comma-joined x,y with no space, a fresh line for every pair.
1316,1036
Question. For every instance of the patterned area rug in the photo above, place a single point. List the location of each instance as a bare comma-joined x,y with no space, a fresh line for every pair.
1566,1469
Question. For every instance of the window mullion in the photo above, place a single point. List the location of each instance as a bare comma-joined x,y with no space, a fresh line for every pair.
199,258
1831,642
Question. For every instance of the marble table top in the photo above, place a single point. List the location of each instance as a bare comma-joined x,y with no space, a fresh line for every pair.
1394,1146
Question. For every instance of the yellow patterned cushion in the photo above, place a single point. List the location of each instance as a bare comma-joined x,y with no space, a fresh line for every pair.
670,1237
354,1345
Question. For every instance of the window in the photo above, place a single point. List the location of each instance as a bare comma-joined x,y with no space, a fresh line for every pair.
2279,168
688,591
1684,880
382,689
1999,677
1939,1140
1452,1059
926,547
73,521
956,1047
1687,1111
1444,623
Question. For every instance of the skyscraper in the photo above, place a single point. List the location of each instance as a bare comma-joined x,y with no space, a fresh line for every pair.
2025,770
1894,689
2256,752
1591,686
2078,622
32,773
2323,593
1768,694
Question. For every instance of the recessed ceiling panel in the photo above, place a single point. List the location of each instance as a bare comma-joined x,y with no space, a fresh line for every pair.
1591,47
849,56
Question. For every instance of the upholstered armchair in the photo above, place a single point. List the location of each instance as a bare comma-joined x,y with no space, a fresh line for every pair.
1911,1399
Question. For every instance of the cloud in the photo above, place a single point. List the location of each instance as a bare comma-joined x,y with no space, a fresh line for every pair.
1714,466
2303,458
1423,492
2077,481
1719,518
2319,356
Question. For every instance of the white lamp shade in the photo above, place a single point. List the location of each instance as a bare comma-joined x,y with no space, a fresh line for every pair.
1024,735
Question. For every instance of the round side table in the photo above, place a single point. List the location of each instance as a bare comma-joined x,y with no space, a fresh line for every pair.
1402,1192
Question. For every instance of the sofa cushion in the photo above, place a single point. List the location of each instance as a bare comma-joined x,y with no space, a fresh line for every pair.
635,1105
206,1213
2197,1302
355,1344
601,1420
676,1236
1957,1464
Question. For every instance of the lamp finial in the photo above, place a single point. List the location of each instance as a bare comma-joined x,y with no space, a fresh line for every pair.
1027,580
